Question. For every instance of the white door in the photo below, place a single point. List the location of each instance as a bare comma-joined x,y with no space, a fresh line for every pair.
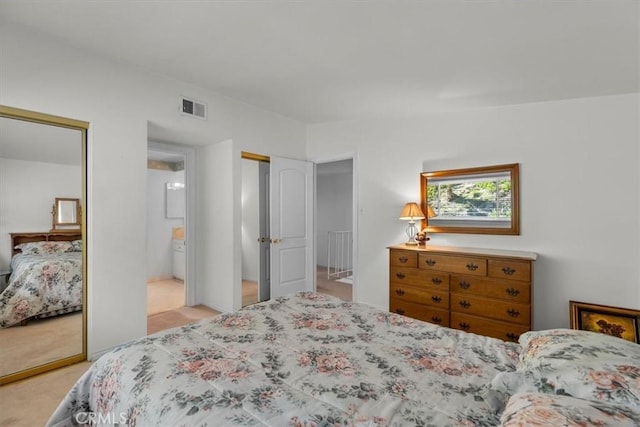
291,226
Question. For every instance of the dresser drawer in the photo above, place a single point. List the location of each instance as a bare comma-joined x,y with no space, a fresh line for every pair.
510,269
453,264
421,312
419,295
403,258
493,308
414,276
492,288
492,328
487,292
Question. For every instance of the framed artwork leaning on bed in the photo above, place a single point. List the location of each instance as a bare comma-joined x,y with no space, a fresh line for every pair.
615,321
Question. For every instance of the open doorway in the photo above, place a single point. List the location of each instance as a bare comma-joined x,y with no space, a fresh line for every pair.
170,278
335,228
334,235
166,257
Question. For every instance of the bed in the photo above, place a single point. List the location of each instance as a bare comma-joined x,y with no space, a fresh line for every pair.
46,277
313,360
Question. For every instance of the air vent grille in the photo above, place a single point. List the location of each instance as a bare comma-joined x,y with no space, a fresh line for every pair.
193,108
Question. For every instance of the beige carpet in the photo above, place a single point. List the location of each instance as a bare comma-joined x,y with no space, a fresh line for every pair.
249,292
30,402
341,290
344,291
164,295
178,317
166,309
39,342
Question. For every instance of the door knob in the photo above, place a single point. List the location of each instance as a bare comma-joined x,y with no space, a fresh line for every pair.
274,241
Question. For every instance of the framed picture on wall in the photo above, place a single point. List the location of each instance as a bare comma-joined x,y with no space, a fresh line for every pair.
615,321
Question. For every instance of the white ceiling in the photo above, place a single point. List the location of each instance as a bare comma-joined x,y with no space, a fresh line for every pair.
37,142
318,61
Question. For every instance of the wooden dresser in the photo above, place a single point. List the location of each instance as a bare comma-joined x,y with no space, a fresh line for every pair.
483,291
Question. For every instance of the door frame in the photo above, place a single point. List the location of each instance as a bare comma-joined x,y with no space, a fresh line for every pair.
354,214
189,153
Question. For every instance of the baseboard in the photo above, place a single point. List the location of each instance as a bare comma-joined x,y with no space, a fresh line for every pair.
98,354
159,278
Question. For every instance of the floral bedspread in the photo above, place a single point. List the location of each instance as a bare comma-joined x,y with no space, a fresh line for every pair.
42,285
301,360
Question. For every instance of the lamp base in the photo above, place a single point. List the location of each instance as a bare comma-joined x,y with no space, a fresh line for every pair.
411,243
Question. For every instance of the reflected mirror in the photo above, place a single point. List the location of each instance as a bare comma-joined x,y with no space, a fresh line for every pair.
66,213
42,158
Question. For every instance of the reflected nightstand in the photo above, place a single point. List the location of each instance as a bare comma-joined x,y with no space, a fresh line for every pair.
4,279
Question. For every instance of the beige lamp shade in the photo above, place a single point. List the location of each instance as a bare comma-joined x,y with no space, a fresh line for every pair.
411,211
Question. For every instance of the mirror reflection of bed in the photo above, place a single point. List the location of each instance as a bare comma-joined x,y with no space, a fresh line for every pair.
42,193
41,305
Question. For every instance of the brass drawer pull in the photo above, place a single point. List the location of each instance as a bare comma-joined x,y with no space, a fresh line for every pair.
400,275
464,326
403,259
472,267
400,292
512,291
513,312
436,319
436,280
465,304
464,285
399,311
508,271
430,262
513,337
436,299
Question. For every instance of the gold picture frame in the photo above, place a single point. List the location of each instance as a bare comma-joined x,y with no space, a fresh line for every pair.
456,200
619,322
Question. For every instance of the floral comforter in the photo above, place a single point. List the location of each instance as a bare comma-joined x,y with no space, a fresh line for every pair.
42,286
301,360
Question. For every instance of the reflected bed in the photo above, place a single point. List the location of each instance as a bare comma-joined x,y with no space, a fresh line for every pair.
310,360
46,277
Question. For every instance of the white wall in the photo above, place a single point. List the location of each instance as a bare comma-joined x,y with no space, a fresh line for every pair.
159,227
570,152
334,208
121,103
28,191
250,221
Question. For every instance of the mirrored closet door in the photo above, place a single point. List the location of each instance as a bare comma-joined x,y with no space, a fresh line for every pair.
42,258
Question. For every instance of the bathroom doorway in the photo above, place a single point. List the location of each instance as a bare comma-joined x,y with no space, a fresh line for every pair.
166,255
171,279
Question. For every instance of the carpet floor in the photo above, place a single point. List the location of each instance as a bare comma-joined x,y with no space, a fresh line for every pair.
178,317
40,341
30,402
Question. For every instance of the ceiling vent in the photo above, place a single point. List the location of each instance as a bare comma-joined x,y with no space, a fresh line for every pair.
193,108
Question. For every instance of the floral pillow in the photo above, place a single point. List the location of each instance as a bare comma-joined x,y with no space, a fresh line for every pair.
45,248
557,347
585,365
535,409
76,246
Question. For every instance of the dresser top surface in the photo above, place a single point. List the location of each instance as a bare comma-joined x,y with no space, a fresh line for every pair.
500,253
